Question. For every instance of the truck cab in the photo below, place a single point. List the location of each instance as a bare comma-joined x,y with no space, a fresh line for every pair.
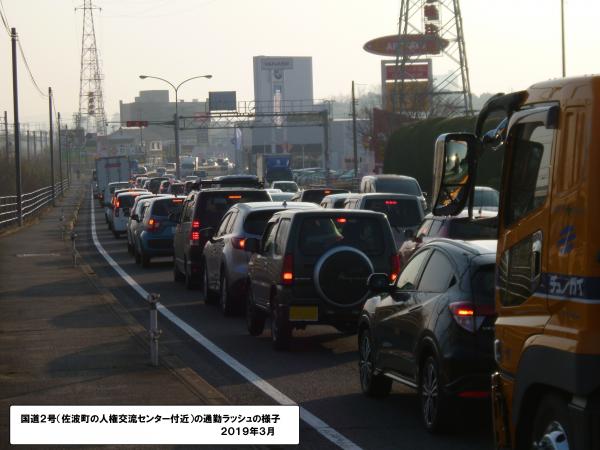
546,391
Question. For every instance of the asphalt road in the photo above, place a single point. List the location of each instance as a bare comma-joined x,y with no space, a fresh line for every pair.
320,372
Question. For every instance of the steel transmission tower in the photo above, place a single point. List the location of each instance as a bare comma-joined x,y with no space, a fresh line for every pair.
431,29
91,101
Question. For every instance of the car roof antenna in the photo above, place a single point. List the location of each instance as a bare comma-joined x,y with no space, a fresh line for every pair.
284,204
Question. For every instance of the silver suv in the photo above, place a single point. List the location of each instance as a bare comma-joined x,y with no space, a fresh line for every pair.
225,259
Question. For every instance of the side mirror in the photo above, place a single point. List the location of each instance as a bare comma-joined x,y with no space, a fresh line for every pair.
135,217
252,245
409,233
454,167
378,282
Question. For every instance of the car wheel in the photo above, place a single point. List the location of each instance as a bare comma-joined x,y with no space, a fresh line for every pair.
434,404
145,259
255,319
551,425
281,329
209,295
372,384
225,298
177,275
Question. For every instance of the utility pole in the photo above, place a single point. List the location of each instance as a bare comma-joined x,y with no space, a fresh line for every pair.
13,38
562,28
325,114
354,146
34,145
51,147
68,151
28,146
60,173
6,141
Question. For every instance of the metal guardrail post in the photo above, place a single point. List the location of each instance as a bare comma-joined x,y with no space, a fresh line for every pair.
154,332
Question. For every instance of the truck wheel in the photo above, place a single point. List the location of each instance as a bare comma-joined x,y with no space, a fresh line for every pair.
551,427
255,319
434,403
373,385
281,329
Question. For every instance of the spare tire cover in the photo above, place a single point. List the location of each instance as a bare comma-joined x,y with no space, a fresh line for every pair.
341,276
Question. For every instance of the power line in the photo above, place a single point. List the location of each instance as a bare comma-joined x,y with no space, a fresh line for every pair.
4,19
29,70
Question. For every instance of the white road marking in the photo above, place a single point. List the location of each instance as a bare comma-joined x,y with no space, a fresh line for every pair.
312,420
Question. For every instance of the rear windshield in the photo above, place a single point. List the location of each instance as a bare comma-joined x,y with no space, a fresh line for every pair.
487,197
318,234
116,187
318,195
400,212
483,285
166,206
256,222
155,182
398,186
126,201
472,230
177,188
214,205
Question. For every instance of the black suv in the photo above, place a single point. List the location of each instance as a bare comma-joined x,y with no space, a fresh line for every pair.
433,329
200,217
312,266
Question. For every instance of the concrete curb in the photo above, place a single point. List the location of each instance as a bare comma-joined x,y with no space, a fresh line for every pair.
195,383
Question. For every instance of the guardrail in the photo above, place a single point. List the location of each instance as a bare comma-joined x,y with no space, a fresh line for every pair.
31,203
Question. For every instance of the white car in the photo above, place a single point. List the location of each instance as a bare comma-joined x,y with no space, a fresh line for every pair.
107,197
285,186
121,210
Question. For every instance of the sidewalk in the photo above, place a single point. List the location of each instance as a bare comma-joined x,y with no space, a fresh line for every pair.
65,342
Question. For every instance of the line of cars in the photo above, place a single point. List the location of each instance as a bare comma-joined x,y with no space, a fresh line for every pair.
423,314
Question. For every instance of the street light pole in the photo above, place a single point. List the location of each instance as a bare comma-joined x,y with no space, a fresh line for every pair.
176,118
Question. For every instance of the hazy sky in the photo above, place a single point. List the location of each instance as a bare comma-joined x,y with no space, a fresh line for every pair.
510,44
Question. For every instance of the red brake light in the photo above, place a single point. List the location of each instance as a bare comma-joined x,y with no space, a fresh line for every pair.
474,394
327,192
238,242
237,197
395,268
341,220
391,202
195,233
470,316
177,200
287,272
153,225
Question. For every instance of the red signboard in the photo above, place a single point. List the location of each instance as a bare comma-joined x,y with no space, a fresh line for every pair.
411,72
407,45
136,123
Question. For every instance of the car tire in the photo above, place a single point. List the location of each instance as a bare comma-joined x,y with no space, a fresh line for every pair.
255,318
145,259
551,424
434,403
209,296
225,300
177,275
371,383
281,329
137,256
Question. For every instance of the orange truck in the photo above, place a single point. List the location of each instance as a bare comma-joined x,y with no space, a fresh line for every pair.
546,391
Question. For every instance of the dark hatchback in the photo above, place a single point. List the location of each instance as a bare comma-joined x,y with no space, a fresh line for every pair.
200,218
432,330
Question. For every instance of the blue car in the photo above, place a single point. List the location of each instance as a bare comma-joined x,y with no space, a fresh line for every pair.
154,236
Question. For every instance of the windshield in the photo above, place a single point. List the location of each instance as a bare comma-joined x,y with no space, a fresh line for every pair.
164,207
466,229
398,186
286,186
400,212
214,205
115,187
318,234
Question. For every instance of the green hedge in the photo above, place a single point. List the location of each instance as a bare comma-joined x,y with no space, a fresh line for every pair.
410,151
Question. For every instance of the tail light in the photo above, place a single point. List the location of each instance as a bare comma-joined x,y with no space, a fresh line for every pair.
195,233
395,260
238,242
470,316
287,272
153,225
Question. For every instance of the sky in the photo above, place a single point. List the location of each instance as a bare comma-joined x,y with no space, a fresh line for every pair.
510,45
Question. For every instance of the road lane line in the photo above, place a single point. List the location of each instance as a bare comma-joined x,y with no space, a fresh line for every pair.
321,427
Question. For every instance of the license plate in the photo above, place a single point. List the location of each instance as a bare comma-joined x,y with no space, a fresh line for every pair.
304,313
